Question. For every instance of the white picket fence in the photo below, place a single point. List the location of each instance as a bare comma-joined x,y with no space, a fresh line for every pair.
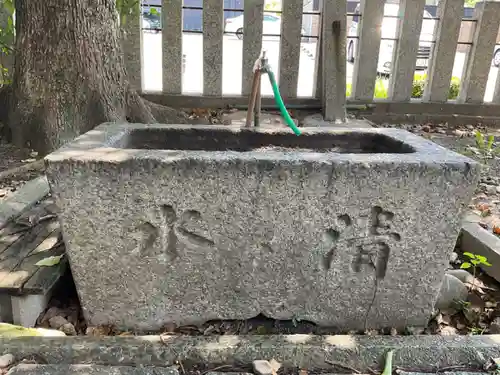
330,72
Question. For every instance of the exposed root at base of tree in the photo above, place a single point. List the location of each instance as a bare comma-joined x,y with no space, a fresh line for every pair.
140,110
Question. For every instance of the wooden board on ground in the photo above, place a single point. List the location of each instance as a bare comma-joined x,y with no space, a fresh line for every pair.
25,241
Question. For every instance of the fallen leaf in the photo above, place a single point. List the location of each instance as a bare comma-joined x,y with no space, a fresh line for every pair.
496,229
50,261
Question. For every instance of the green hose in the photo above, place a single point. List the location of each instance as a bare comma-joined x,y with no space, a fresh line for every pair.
281,105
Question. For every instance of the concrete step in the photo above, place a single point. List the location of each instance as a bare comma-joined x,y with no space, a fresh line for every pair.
31,369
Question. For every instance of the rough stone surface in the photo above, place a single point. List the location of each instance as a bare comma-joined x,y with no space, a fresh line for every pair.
363,353
321,232
57,322
23,199
452,290
27,309
462,275
29,369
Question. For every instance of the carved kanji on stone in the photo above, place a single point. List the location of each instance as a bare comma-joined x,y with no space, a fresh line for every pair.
169,229
370,235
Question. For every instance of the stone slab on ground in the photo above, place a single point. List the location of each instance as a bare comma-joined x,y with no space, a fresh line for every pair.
477,240
333,227
34,369
14,205
363,353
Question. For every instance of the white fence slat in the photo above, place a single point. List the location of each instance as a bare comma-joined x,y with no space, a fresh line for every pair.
171,12
368,47
213,30
450,14
252,40
333,64
403,70
291,26
132,48
473,85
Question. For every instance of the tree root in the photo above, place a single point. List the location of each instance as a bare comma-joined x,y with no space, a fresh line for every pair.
140,110
166,115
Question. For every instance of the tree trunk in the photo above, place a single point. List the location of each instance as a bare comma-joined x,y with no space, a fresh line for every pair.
69,74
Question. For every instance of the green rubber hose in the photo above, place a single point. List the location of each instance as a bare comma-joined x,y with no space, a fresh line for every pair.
281,105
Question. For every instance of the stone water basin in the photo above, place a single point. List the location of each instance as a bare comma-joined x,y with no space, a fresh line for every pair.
181,225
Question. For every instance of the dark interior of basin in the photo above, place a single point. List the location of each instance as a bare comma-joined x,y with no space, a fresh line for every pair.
204,139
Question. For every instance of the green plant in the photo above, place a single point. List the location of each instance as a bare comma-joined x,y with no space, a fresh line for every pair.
272,5
476,330
418,88
474,261
485,145
420,80
470,3
380,91
127,8
7,39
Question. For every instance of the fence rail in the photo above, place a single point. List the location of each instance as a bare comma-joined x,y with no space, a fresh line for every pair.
329,90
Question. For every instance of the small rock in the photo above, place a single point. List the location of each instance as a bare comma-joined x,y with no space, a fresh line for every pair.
448,331
426,128
452,290
498,189
410,330
262,367
495,326
6,360
490,305
491,190
394,331
50,313
453,258
469,127
57,322
462,275
460,133
68,329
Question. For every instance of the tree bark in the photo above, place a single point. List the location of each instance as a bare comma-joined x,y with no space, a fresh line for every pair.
69,74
